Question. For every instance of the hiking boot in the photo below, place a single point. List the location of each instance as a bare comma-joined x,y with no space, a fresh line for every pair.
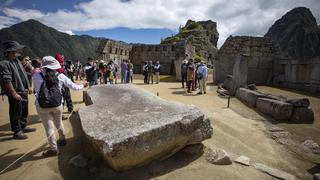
28,129
62,142
19,135
199,93
50,153
205,92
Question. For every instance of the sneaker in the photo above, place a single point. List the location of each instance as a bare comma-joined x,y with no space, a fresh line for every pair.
19,135
50,153
28,129
62,142
199,93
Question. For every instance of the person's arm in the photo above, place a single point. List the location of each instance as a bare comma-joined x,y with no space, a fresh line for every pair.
68,83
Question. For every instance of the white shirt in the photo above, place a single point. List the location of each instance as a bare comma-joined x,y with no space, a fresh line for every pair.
63,80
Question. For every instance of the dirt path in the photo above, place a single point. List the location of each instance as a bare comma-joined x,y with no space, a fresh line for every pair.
238,130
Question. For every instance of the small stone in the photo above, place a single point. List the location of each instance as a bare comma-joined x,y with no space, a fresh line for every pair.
313,146
243,160
274,172
279,134
218,157
78,161
284,141
275,129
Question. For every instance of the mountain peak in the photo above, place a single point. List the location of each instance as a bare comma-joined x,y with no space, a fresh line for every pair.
297,33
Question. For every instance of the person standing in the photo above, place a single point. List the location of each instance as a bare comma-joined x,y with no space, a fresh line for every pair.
91,71
157,68
124,71
65,90
150,72
130,72
203,76
184,69
77,70
145,72
15,84
49,106
190,75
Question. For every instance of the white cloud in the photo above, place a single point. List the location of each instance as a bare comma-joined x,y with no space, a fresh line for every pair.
69,32
234,17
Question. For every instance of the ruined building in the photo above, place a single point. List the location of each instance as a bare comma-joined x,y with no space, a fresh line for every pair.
288,55
113,50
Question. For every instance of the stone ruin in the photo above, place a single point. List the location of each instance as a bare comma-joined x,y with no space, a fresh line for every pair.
280,108
130,127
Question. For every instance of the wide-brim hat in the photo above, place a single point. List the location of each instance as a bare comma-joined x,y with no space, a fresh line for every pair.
50,63
12,46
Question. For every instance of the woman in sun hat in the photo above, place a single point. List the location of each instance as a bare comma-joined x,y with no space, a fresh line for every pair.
52,116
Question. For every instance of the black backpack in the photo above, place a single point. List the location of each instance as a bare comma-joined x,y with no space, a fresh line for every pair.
49,97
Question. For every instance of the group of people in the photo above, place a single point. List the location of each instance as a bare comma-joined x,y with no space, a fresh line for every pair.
194,75
46,79
149,69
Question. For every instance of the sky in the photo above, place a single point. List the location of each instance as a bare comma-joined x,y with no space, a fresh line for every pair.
147,21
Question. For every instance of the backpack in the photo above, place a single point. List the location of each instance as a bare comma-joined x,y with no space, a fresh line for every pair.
49,97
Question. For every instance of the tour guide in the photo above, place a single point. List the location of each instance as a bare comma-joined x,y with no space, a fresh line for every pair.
15,84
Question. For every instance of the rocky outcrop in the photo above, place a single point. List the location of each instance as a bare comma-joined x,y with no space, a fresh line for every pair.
131,127
297,33
203,35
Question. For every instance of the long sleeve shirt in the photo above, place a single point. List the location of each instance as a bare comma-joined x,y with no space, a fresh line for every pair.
203,70
63,81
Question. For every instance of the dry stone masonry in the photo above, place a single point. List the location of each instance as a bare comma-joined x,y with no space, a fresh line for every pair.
138,127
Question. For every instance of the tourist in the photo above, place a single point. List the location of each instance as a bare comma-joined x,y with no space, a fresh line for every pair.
15,84
25,61
36,64
65,90
103,78
150,68
193,84
196,77
157,68
69,70
145,72
190,75
116,67
77,70
130,72
202,76
91,72
124,71
184,69
51,114
110,70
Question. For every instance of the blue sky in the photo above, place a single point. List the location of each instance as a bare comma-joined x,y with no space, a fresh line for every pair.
147,21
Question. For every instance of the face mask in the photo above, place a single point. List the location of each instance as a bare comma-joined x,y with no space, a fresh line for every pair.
17,54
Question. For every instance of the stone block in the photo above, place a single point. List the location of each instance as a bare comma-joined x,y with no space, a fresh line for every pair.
248,96
131,127
277,109
304,102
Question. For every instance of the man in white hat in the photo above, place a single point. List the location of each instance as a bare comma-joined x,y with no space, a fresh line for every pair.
15,84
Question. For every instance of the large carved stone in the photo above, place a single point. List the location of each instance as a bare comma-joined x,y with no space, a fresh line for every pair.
278,109
131,127
248,96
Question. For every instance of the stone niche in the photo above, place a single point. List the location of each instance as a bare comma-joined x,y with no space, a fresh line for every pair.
131,127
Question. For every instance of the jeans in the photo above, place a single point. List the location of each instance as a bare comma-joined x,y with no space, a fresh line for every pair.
123,77
183,79
18,112
67,98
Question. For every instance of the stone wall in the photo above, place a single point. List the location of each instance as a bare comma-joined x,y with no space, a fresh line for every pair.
166,54
113,50
260,53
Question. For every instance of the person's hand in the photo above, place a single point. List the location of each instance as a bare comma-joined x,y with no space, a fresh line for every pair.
17,97
85,84
30,91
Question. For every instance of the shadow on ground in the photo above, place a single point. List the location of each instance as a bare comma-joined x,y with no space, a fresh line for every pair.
97,169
